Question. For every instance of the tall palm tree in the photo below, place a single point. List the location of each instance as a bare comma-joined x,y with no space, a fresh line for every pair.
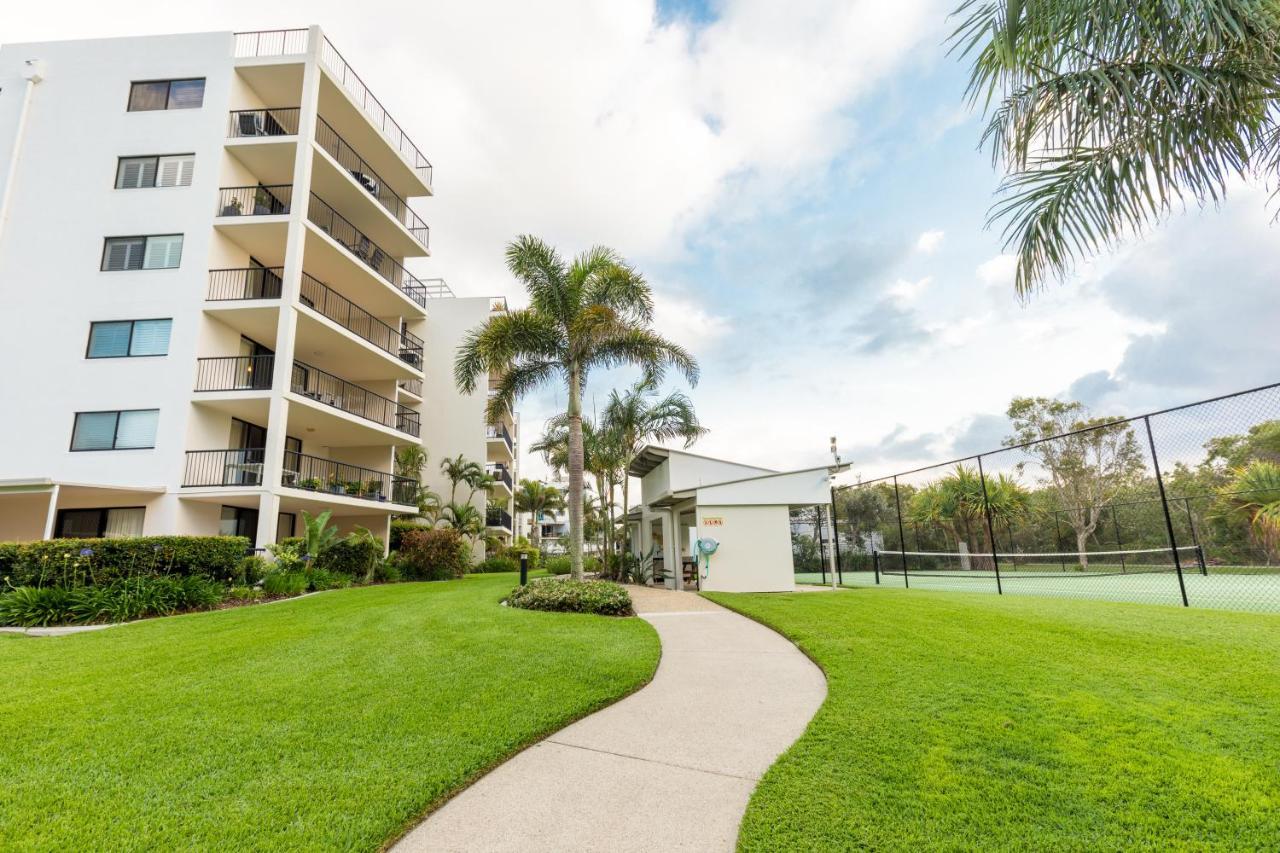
636,418
1107,115
602,457
595,311
459,469
536,498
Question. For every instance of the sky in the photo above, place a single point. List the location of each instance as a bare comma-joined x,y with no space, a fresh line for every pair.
801,185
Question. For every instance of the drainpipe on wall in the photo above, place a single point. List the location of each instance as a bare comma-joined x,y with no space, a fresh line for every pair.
33,72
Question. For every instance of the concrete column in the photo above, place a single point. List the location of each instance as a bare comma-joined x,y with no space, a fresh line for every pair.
830,529
51,515
286,325
671,524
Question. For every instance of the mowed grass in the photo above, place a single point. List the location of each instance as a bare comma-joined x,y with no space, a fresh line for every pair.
330,722
961,722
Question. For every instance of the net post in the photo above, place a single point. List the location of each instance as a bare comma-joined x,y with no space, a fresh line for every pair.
1115,522
902,536
835,539
991,533
1195,537
875,564
1164,505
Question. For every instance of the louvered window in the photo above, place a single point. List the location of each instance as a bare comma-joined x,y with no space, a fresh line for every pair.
125,338
158,252
166,95
126,430
172,170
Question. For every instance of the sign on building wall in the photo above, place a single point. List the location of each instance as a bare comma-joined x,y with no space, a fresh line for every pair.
713,521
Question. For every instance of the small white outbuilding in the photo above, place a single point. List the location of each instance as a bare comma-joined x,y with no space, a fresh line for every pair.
746,509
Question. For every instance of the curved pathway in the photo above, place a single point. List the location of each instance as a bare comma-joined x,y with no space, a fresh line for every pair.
670,767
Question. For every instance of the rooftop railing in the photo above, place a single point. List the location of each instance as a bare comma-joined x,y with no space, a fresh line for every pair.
324,387
365,176
245,283
273,121
322,299
317,474
255,201
270,43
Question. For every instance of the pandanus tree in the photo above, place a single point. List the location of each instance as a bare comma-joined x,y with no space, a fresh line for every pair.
1108,115
537,498
958,503
1254,494
594,311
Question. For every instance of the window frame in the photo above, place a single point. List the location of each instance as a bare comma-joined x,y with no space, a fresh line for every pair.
128,349
146,239
154,185
102,519
168,93
115,433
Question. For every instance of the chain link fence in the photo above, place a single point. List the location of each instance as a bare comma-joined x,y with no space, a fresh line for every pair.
1178,507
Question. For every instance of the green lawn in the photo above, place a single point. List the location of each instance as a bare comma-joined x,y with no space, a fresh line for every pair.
958,721
330,722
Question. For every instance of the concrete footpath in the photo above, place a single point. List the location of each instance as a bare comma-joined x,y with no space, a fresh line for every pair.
669,768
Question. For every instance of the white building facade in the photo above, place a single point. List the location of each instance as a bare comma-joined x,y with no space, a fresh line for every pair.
211,326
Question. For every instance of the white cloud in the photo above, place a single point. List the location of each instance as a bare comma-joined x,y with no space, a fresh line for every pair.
929,241
998,271
905,292
687,323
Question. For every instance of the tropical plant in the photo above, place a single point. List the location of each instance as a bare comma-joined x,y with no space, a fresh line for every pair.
603,458
464,518
1107,115
1254,493
958,503
459,469
595,311
537,498
318,534
365,550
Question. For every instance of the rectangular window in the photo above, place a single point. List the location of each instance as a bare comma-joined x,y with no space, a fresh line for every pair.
112,523
166,95
124,338
158,252
126,430
170,170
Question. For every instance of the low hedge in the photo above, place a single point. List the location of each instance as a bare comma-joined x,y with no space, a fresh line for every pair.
496,564
569,596
349,556
71,563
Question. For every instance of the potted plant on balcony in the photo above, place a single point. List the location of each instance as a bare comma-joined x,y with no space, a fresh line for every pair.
373,489
311,483
353,488
233,208
335,485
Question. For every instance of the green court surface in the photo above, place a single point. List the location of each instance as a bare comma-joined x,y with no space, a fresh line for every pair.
1253,589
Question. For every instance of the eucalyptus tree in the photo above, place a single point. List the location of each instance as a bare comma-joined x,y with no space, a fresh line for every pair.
1108,115
594,311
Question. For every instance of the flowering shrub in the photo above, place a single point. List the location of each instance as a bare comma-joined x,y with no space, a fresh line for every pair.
73,563
434,554
570,596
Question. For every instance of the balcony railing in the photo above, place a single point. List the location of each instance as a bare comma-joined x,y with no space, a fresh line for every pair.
353,399
235,373
316,474
498,518
255,201
501,474
270,43
370,253
245,283
272,121
377,113
499,433
223,468
413,386
365,176
320,298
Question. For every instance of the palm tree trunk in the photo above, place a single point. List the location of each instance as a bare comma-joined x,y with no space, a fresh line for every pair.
575,475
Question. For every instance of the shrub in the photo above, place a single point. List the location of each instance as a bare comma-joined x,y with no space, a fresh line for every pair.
318,579
73,563
120,601
387,570
8,557
497,564
559,565
284,583
244,593
35,607
523,547
570,596
399,527
430,554
356,555
250,570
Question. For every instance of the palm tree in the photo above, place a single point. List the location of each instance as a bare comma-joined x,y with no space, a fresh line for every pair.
636,419
1112,114
595,311
536,498
1254,494
459,469
411,460
318,535
602,458
464,518
480,481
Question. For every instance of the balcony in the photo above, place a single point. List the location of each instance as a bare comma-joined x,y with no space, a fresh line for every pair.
370,254
498,518
367,179
226,285
315,474
410,386
502,474
499,433
327,302
223,468
330,390
235,373
255,201
264,123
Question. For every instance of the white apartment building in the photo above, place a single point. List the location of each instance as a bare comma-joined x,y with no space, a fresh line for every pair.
210,325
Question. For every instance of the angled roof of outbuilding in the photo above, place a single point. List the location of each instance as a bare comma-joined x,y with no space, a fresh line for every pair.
652,456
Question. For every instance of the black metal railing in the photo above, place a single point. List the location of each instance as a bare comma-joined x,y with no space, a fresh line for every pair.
272,121
413,386
499,432
255,201
322,299
224,467
245,283
370,253
365,176
235,373
500,473
316,474
270,43
497,518
373,108
353,399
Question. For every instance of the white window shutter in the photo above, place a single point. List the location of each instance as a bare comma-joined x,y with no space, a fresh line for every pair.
163,252
124,253
137,429
150,337
176,171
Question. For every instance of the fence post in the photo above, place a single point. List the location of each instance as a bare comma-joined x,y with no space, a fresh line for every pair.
902,536
1164,505
822,552
875,564
835,535
991,532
